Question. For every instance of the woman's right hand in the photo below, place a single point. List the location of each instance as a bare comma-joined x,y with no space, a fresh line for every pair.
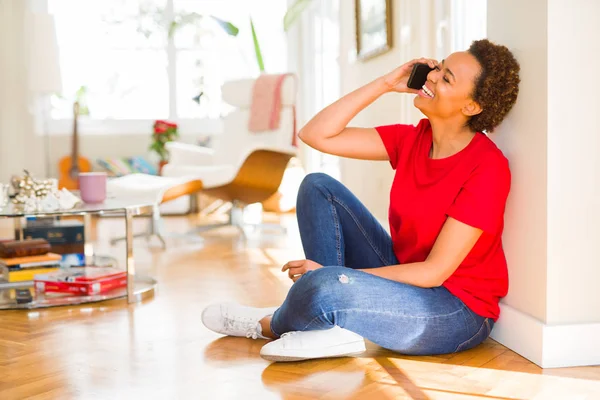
397,80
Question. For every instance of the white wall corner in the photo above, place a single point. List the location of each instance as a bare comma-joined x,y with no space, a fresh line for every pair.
520,332
548,346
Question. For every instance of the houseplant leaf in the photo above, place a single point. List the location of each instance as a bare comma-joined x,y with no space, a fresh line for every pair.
259,57
294,12
192,18
227,26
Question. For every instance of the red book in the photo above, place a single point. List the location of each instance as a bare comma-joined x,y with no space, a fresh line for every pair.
85,274
80,288
91,274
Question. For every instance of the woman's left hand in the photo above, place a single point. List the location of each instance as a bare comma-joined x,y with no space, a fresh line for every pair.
298,268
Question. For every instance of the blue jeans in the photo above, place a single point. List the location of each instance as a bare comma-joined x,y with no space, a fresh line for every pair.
338,232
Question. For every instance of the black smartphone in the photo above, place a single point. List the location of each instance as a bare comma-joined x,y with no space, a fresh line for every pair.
418,76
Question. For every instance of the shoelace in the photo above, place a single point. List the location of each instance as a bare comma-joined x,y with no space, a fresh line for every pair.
287,338
243,325
252,335
287,334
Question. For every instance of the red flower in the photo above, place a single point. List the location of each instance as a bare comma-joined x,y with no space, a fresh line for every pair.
160,126
163,132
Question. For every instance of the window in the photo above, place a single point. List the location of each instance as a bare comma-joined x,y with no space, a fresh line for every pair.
132,69
469,22
457,24
321,52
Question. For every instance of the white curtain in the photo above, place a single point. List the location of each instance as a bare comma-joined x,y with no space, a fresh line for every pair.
20,146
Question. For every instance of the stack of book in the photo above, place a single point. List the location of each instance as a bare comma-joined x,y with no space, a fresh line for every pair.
66,237
21,261
85,281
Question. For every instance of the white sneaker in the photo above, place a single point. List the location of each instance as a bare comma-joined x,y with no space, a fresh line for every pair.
235,320
296,346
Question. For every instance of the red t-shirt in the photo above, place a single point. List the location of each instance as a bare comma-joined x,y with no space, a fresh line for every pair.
470,186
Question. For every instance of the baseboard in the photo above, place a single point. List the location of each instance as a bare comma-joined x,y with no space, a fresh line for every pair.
549,346
520,332
571,345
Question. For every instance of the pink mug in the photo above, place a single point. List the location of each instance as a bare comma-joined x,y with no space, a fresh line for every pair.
92,187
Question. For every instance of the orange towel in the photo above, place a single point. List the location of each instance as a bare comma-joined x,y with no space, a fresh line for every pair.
265,110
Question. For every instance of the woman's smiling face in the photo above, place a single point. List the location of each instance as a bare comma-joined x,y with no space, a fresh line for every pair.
449,88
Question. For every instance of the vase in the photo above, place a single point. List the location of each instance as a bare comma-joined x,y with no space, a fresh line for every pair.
161,164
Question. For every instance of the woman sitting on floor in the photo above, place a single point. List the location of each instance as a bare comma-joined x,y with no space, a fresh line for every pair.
434,285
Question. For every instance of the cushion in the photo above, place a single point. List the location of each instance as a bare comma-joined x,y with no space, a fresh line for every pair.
117,166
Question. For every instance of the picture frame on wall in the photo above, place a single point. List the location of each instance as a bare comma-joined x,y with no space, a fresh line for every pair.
373,27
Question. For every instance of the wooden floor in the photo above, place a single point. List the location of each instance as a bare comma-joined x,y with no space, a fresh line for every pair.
159,349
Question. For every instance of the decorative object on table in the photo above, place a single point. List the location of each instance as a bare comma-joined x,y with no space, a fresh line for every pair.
163,132
92,187
67,200
373,27
71,166
27,186
85,281
24,248
31,194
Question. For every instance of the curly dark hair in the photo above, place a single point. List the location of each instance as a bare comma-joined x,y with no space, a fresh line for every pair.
496,87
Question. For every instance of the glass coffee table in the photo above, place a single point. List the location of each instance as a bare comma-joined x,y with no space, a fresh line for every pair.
138,286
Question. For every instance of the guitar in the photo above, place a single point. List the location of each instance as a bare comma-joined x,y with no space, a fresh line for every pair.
69,167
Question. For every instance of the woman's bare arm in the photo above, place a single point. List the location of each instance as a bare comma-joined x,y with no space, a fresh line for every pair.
328,131
453,244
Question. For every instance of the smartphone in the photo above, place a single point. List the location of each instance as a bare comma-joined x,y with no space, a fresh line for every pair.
418,76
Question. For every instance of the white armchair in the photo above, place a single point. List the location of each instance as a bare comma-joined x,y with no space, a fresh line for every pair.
243,167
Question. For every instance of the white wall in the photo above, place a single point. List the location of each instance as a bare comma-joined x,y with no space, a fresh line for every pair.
371,181
574,164
522,138
18,148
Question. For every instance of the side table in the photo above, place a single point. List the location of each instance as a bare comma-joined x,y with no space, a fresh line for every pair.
138,286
